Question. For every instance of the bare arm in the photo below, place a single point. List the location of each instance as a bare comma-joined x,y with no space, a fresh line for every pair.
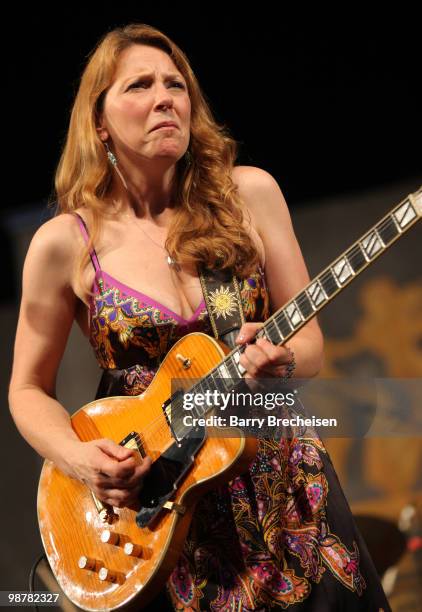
46,315
285,272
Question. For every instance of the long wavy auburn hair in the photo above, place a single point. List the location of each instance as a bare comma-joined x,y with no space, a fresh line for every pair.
207,228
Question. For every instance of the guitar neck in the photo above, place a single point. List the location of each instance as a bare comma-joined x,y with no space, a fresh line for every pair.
290,318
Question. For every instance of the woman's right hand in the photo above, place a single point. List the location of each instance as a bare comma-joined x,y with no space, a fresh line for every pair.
112,472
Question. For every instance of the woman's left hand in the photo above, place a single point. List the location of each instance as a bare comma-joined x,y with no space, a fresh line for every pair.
262,359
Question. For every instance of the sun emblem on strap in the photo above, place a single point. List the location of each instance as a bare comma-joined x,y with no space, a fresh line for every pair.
223,301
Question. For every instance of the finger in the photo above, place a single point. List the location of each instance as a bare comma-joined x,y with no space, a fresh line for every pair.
114,450
145,466
119,497
107,482
247,332
133,480
276,355
253,359
110,468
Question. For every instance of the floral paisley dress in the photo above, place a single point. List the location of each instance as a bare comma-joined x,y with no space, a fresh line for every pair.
280,536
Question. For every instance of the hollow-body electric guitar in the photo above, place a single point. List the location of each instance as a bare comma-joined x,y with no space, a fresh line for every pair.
106,558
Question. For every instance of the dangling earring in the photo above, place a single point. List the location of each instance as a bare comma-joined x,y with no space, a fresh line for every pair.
110,154
113,160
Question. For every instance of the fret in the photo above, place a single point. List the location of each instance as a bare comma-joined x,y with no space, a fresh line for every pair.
277,329
262,333
371,244
239,366
222,370
231,367
396,223
388,230
223,374
294,314
283,323
328,282
200,387
379,237
356,258
342,270
316,293
218,381
265,333
199,410
209,384
270,332
304,304
314,307
405,214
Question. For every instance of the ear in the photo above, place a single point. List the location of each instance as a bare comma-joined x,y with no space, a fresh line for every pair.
102,133
101,128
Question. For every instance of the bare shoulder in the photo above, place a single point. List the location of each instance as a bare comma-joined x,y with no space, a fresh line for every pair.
55,233
252,176
252,180
261,194
55,244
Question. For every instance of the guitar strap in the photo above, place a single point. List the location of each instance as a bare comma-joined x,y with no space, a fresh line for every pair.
224,303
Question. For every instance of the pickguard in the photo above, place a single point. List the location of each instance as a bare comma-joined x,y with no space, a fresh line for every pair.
165,474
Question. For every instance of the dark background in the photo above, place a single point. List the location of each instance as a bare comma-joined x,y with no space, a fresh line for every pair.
328,103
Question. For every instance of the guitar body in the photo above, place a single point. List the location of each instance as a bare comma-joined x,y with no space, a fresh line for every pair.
71,523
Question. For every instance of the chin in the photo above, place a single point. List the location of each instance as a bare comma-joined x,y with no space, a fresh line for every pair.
169,155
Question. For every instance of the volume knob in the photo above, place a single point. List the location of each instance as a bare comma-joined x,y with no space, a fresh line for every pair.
133,550
109,537
108,575
86,563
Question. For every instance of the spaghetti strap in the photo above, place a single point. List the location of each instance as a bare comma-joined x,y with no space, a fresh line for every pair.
85,234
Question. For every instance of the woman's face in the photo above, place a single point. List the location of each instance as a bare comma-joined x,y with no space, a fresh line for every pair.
147,90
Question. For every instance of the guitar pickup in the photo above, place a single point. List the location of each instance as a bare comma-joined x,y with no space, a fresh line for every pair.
134,442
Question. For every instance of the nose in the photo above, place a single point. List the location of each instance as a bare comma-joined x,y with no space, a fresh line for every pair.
163,99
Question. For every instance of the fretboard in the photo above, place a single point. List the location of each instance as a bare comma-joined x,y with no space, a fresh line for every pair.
289,319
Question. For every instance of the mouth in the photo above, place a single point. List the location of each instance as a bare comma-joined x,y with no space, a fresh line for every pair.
162,126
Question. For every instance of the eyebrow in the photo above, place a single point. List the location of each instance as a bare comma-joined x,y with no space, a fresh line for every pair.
168,75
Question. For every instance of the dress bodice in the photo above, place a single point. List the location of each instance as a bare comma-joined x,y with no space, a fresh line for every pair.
131,333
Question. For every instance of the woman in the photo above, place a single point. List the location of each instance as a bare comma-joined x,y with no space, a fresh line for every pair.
148,191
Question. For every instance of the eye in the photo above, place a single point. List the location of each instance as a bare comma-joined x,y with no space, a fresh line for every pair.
144,83
137,84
